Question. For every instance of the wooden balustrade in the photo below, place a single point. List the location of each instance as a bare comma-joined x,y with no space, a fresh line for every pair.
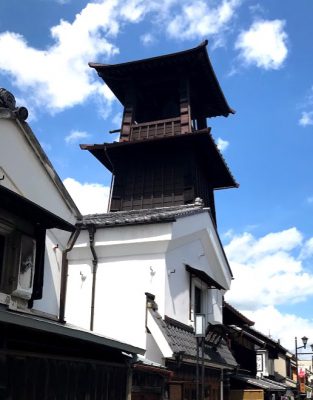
153,129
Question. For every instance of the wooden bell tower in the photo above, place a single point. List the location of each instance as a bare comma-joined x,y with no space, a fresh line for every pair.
165,155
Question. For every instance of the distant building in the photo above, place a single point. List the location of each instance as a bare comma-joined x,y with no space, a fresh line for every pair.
265,368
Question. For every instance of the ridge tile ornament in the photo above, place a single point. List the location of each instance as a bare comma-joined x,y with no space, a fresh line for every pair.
7,100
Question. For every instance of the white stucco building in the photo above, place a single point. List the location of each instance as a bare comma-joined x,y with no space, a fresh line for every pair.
173,253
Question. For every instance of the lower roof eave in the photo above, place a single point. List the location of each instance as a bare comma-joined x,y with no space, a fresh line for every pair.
193,361
57,328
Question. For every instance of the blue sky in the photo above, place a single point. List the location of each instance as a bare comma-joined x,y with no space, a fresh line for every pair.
262,55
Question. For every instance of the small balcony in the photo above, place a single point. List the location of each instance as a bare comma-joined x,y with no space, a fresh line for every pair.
155,129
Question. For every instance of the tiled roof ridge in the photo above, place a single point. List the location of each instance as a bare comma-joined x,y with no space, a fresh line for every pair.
143,216
192,205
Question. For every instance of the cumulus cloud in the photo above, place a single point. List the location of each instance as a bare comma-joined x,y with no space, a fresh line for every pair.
147,39
306,118
222,144
75,136
264,44
58,76
283,326
198,19
90,198
271,272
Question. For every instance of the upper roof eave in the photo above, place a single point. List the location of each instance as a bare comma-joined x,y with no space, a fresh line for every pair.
115,74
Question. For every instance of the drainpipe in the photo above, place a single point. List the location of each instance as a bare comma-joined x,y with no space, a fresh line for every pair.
64,273
92,231
222,385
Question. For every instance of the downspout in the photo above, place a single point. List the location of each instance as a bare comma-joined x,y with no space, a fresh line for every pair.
222,385
64,273
92,231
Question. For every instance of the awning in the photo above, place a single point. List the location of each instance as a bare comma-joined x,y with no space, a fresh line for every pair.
203,276
262,383
65,330
26,209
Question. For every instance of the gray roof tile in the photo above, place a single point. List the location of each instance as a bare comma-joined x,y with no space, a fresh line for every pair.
181,338
143,216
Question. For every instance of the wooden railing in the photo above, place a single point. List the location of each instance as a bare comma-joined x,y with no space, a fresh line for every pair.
154,129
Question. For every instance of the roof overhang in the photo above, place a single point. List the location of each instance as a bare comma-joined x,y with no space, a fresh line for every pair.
52,327
207,97
20,206
204,277
202,143
265,384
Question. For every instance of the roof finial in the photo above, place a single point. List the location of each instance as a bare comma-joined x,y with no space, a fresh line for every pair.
7,100
199,202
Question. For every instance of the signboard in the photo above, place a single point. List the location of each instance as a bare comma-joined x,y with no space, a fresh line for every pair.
259,362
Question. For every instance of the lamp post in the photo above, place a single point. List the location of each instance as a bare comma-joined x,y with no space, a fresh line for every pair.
200,328
305,342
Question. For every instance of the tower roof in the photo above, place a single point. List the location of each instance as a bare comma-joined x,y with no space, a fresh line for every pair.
111,154
207,98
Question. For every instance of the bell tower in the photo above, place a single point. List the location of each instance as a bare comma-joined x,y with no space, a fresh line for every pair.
166,155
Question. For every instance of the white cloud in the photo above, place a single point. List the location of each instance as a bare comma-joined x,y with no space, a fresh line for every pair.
270,321
90,198
58,76
307,250
198,19
75,136
270,272
147,39
306,118
222,144
264,44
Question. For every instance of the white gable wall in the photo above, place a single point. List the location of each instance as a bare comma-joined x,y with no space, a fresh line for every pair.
25,169
25,173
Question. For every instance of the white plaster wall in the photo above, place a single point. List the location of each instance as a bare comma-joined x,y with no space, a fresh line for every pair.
78,304
25,174
56,241
128,266
153,352
120,296
200,226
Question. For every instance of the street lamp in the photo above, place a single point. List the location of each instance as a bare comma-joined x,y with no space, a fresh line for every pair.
200,328
305,342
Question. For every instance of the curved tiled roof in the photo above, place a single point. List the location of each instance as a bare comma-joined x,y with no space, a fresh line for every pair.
143,216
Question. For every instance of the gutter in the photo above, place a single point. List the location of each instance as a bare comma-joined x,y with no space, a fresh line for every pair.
69,247
92,231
